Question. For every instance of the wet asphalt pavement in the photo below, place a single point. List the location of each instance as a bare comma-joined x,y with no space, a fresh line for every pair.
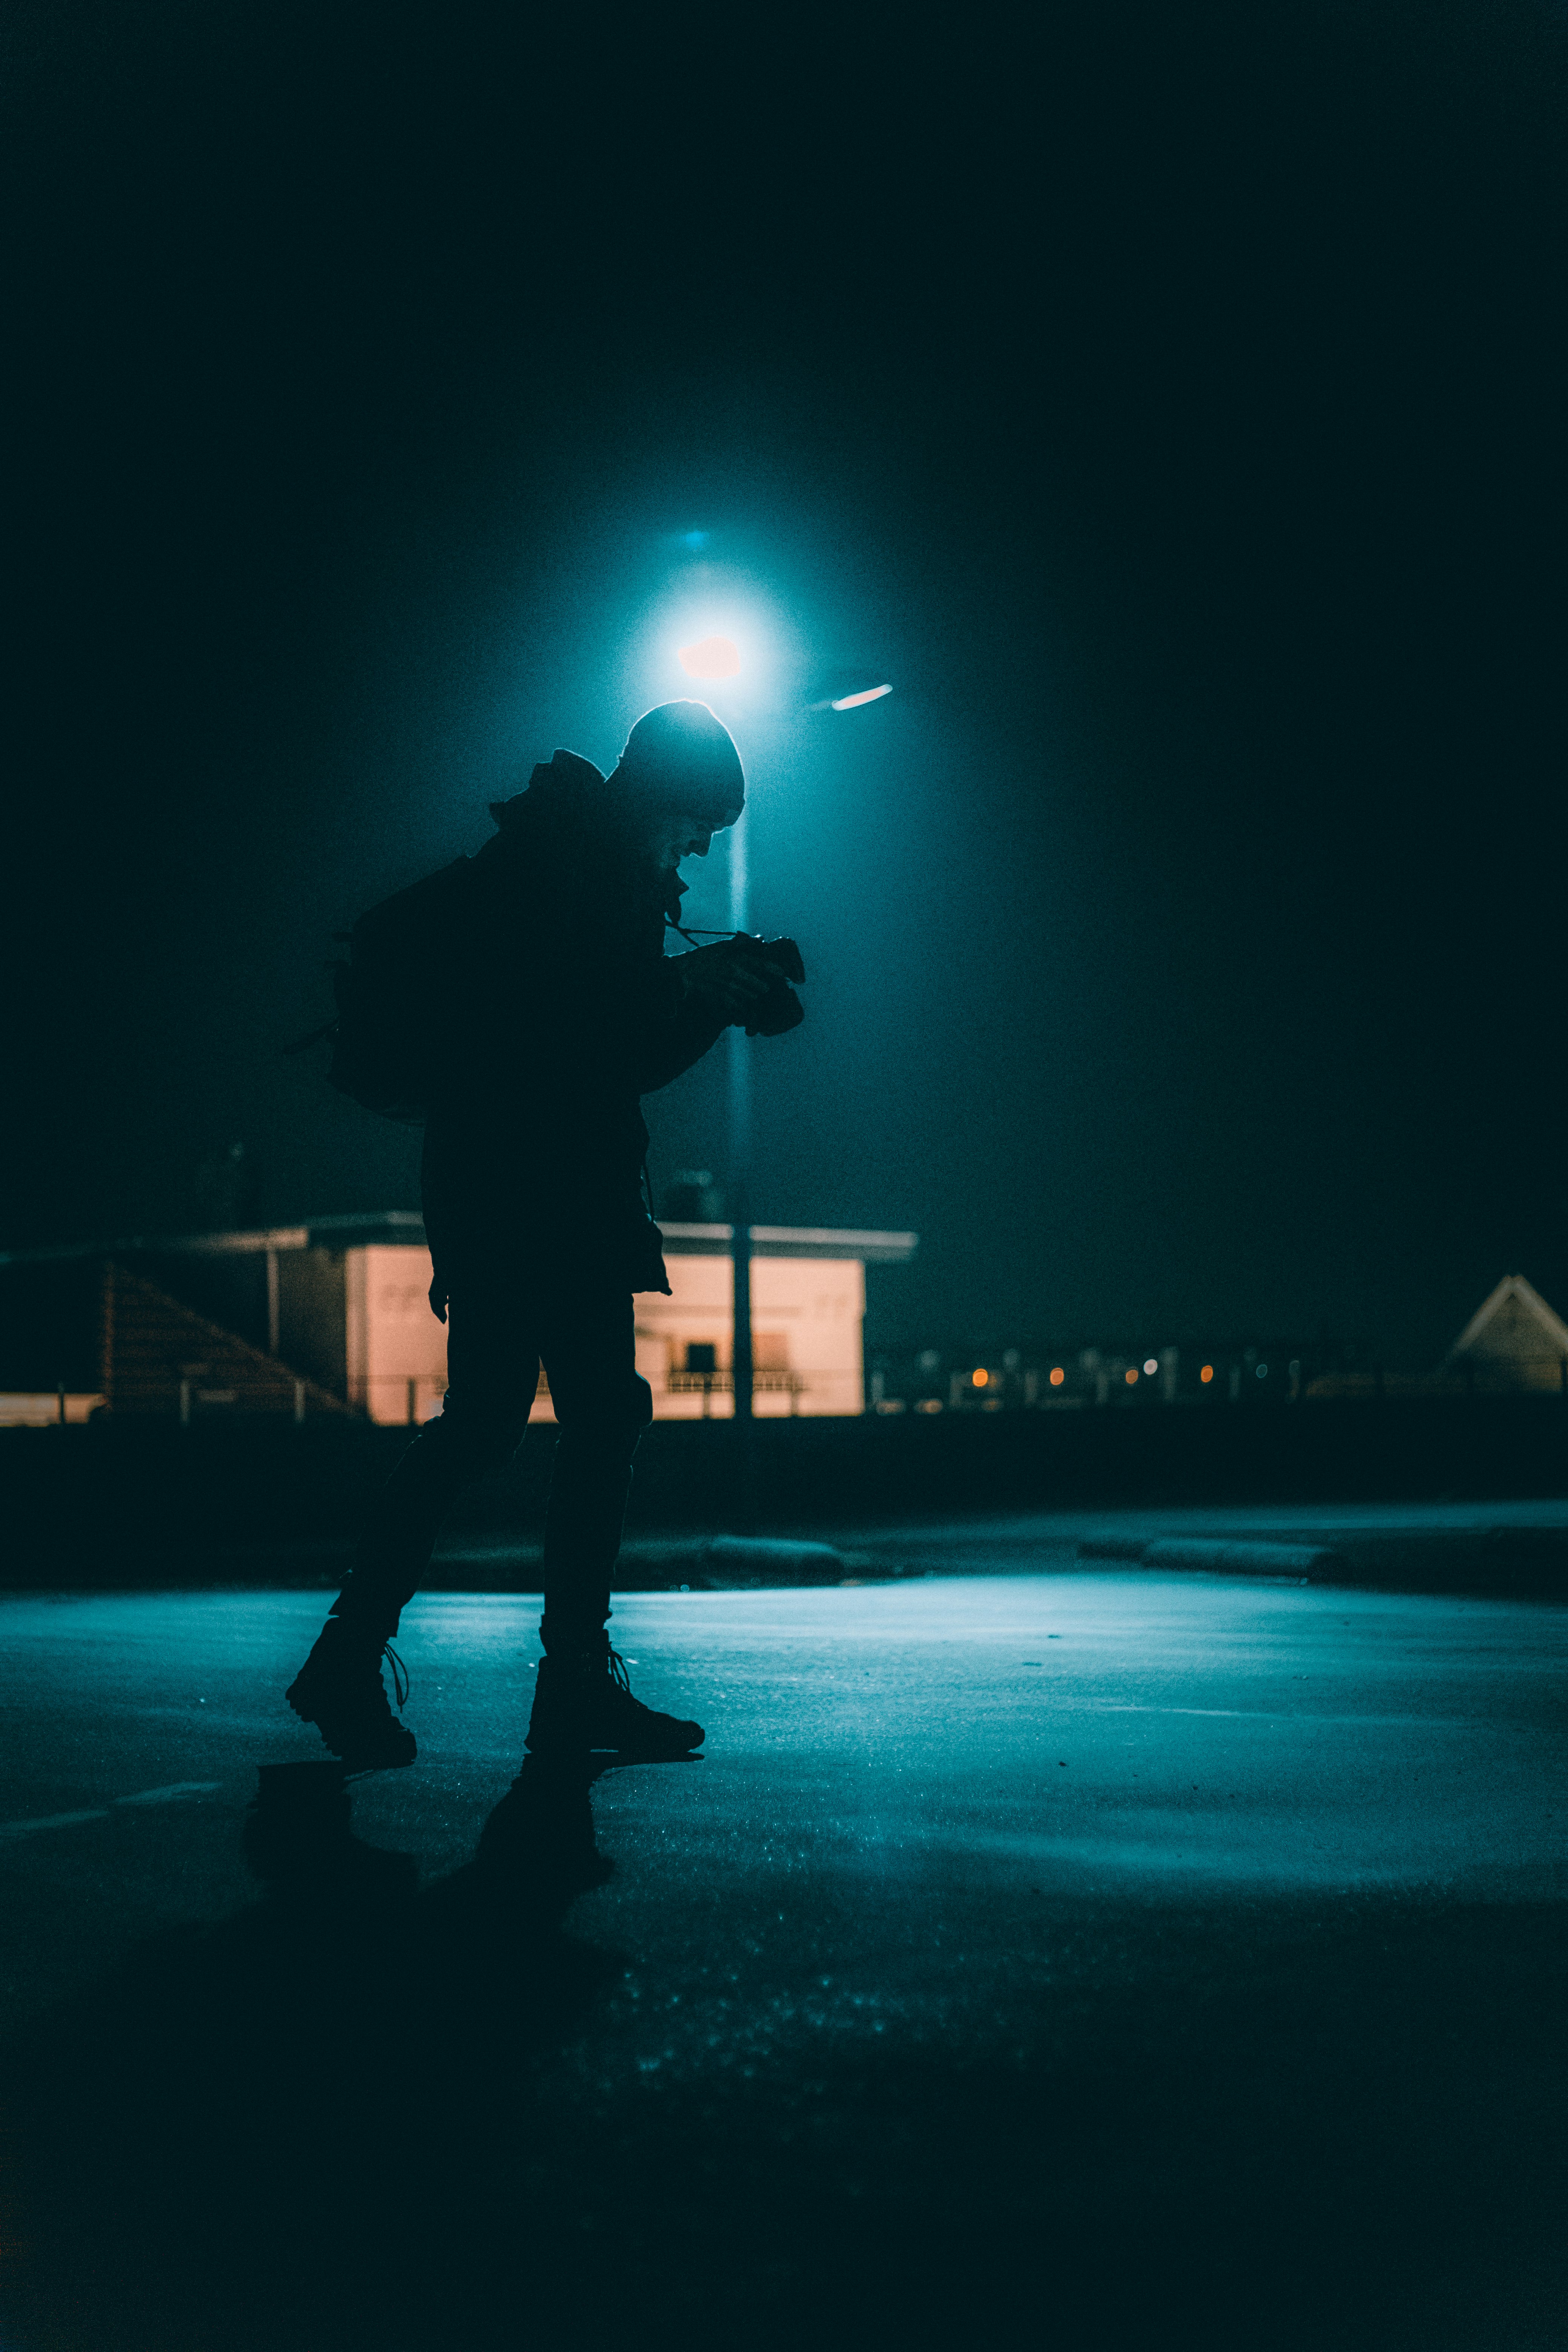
1094,1958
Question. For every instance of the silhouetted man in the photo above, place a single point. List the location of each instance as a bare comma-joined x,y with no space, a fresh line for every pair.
563,1009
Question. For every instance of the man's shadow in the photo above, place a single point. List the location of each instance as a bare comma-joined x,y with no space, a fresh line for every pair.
353,2056
536,1853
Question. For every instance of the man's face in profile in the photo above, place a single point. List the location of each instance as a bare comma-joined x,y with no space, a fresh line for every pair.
675,834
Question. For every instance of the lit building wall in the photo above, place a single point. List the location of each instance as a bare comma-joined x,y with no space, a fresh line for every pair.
806,1320
806,1350
37,1408
396,1349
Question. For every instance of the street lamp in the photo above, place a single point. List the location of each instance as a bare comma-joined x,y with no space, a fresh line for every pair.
849,688
718,634
740,1074
710,657
714,639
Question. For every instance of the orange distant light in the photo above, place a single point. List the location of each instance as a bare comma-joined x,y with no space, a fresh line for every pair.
711,657
979,1378
1131,1377
1057,1376
1207,1374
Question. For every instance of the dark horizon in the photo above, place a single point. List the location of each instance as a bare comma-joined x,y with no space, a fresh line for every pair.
1170,409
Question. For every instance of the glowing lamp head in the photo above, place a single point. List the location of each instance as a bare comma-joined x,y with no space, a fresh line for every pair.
1207,1374
1131,1377
710,657
1057,1376
981,1378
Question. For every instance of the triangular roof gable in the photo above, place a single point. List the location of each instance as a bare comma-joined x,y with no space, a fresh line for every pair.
1512,1287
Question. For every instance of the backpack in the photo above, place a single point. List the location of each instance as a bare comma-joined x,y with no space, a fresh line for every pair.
393,992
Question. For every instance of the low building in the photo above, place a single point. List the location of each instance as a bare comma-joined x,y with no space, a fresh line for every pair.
334,1316
1513,1342
808,1306
1513,1345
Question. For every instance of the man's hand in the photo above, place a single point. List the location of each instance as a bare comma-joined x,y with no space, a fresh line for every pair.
729,979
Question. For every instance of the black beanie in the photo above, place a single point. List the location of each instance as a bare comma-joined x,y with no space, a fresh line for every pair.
679,756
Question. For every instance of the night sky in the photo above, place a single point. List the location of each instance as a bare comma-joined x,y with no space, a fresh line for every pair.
1168,401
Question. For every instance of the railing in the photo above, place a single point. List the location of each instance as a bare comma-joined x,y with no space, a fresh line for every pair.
710,1385
265,1394
397,1396
404,1397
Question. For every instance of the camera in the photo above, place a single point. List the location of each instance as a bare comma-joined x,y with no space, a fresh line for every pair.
781,1009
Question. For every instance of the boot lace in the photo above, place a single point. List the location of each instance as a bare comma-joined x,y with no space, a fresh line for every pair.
399,1674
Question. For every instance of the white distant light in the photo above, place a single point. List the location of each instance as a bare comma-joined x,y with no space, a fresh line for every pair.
712,657
853,701
714,634
1153,1365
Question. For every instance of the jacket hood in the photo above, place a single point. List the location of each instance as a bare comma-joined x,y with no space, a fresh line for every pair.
565,787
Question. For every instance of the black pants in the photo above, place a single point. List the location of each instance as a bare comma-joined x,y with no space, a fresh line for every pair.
499,1331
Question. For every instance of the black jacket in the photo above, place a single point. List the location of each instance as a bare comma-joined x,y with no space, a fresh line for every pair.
565,1011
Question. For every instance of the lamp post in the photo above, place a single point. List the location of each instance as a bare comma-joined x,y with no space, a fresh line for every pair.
712,660
739,1051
